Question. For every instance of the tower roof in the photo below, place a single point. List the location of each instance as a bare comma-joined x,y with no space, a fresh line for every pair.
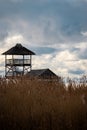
18,49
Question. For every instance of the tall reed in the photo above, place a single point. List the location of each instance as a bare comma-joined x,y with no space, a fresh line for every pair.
32,104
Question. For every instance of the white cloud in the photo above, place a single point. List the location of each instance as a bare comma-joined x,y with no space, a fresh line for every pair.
58,63
84,34
65,56
12,39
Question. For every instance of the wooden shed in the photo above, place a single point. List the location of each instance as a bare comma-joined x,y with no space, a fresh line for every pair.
42,74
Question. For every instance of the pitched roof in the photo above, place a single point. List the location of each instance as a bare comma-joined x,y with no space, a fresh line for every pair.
36,73
18,49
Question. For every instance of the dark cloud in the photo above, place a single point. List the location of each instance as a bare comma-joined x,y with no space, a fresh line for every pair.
3,35
64,20
4,29
77,72
80,52
44,50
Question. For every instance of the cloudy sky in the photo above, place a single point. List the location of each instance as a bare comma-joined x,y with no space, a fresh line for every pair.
56,30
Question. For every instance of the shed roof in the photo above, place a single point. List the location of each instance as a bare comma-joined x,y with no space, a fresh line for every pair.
18,49
40,72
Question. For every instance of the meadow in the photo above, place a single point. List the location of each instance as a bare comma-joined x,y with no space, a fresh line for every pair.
32,104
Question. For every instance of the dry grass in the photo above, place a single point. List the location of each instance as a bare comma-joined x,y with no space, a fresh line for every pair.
43,105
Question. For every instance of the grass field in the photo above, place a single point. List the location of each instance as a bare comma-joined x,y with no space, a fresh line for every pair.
43,105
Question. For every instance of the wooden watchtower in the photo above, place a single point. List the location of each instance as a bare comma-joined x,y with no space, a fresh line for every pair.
11,64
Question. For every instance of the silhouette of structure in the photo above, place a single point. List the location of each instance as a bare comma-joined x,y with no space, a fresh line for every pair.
12,64
43,74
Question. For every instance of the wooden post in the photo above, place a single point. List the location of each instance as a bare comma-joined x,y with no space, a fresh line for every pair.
13,65
5,64
23,65
30,62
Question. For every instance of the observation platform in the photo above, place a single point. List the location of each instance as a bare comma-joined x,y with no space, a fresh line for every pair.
18,62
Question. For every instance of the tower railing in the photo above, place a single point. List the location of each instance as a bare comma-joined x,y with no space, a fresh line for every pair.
18,62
